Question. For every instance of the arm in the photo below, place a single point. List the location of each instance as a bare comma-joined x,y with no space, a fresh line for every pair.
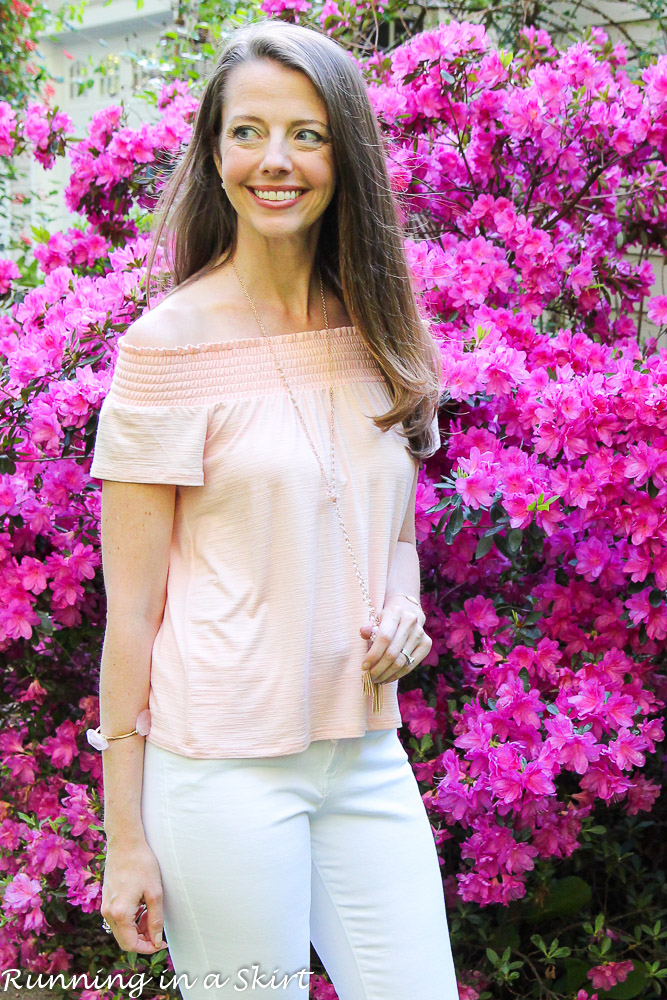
404,573
136,528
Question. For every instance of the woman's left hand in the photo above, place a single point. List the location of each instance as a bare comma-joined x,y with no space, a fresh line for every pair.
400,627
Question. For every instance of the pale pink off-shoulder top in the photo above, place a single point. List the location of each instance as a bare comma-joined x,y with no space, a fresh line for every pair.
259,651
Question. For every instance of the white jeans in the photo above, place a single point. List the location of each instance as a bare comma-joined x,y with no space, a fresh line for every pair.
260,856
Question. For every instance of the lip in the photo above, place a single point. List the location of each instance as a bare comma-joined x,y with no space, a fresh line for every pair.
277,204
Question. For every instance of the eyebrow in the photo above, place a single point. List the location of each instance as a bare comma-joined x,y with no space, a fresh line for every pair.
297,121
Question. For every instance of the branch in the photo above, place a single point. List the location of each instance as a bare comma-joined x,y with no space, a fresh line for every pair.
569,206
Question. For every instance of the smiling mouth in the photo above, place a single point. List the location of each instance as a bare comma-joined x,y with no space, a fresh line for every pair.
277,197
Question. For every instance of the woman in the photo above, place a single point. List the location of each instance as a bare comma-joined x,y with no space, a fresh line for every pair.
272,803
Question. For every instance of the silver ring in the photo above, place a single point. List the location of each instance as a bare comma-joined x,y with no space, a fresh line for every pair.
410,659
105,926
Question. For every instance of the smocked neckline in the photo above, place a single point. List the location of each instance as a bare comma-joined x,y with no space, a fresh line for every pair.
224,345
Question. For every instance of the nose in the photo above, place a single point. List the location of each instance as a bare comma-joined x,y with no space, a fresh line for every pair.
276,156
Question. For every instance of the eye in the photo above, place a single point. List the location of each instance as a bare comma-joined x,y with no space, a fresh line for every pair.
310,131
241,128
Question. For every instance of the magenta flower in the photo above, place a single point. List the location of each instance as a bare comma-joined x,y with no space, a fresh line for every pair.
7,125
8,272
419,717
22,894
657,310
592,557
575,751
476,484
605,976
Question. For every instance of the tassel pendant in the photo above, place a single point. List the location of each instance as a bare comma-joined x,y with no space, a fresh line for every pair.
369,687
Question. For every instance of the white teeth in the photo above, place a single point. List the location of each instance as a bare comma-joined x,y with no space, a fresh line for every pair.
277,195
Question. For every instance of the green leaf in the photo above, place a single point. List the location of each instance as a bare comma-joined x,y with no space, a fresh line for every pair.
484,546
41,235
501,545
474,516
439,506
655,598
498,514
454,525
514,539
538,941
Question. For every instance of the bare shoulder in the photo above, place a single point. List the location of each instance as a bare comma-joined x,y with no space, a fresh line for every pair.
198,312
168,324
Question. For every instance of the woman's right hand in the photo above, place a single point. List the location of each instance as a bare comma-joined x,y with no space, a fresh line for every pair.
132,878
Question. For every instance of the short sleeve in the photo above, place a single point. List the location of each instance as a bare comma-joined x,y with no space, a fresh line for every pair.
152,424
147,444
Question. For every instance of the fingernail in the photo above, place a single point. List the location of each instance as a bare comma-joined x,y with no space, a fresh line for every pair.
365,665
158,939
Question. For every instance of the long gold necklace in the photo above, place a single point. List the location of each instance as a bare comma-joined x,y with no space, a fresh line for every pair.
368,686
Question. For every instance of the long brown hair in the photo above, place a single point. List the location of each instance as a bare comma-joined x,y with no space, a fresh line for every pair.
360,249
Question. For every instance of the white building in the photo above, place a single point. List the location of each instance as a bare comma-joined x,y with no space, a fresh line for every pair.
92,66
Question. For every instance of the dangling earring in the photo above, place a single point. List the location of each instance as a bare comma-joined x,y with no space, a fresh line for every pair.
222,184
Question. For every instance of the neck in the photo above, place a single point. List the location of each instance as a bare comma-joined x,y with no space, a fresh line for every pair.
280,276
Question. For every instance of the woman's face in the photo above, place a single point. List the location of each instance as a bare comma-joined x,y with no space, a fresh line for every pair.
275,136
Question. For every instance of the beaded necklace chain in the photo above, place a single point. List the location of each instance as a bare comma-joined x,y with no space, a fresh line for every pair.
368,686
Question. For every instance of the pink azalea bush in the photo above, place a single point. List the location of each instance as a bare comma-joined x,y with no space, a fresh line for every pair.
541,523
546,588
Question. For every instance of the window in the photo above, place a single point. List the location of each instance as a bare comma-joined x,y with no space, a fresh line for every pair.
110,75
80,78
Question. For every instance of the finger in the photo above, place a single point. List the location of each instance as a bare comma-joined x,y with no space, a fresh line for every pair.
139,941
155,920
392,660
143,930
385,634
126,930
400,665
395,675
